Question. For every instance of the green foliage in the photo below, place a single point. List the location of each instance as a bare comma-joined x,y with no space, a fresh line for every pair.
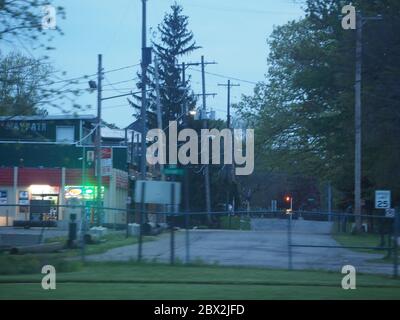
22,85
32,264
304,112
28,86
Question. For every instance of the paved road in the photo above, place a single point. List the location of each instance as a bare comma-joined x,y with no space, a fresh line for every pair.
264,246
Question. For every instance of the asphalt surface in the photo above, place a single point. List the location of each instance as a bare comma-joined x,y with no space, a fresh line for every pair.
265,246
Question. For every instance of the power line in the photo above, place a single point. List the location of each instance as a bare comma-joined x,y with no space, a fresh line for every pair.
94,74
241,10
117,106
122,68
119,82
226,77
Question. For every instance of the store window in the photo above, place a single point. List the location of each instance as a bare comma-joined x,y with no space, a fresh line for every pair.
65,134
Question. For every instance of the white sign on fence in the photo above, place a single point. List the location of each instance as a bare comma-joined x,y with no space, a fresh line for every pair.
158,192
382,199
390,213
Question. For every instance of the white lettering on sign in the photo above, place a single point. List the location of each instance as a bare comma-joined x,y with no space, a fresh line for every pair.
26,126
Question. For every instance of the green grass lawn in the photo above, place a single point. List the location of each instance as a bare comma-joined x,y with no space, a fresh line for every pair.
109,241
156,281
359,240
367,240
236,223
31,263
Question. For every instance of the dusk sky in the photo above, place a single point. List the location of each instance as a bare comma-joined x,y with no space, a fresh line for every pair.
232,33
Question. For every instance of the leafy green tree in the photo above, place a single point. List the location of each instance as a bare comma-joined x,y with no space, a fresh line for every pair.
28,87
22,85
304,112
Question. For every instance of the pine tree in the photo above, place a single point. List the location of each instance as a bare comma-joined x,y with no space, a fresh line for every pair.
174,41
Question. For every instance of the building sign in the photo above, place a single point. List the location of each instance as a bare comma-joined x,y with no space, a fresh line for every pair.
382,199
80,192
106,161
18,129
3,197
121,179
390,213
25,126
44,189
23,198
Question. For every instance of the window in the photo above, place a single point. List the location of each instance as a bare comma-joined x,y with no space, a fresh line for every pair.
65,134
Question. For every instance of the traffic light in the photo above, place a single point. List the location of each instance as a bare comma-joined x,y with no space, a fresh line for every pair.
287,199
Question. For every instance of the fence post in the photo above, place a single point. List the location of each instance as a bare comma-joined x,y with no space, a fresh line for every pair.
289,229
187,237
142,206
395,247
172,250
83,233
127,221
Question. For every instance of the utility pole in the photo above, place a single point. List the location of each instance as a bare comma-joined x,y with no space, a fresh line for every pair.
159,111
185,126
329,199
98,136
205,124
229,85
231,176
358,115
203,117
146,60
185,112
160,126
144,64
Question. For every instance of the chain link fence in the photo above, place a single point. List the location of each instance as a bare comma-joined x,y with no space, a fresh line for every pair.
278,240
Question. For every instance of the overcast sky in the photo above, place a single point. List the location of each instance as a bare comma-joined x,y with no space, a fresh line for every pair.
232,33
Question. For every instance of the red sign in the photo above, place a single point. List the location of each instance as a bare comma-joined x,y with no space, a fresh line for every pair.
106,153
106,161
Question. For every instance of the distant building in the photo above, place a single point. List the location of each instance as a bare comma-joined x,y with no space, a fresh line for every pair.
49,160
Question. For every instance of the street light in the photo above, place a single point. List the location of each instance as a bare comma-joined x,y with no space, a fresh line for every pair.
289,199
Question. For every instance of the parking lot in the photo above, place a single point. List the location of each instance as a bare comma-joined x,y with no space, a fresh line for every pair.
266,245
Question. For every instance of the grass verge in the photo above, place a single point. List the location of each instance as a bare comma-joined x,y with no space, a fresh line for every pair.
32,263
155,281
235,223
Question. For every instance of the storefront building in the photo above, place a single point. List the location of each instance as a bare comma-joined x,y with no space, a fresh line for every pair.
47,164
